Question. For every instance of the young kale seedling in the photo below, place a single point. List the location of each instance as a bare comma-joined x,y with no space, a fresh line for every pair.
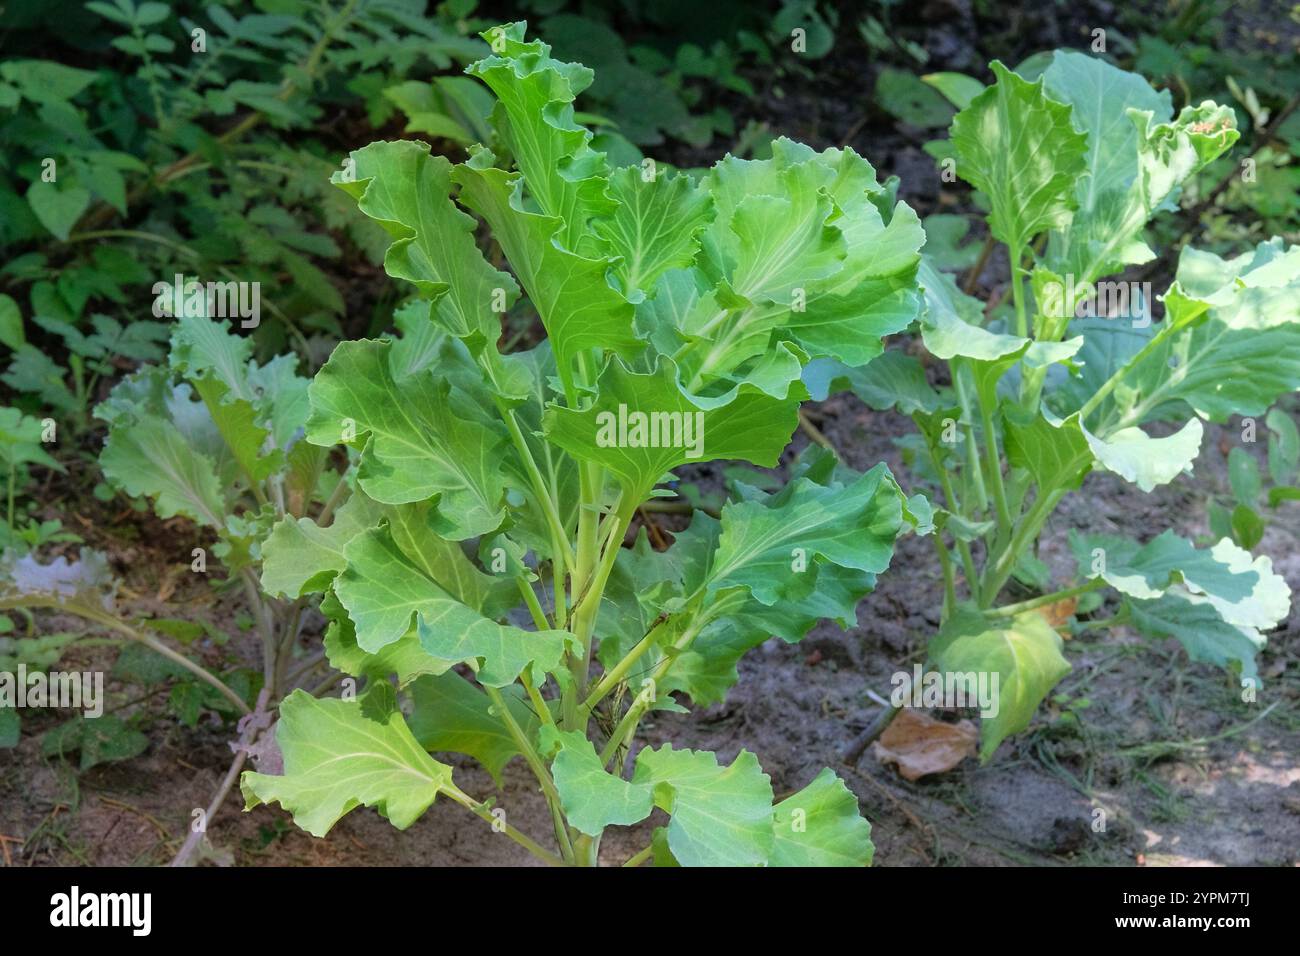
1073,375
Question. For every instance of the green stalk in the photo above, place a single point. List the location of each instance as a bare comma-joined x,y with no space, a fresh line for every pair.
954,505
997,573
483,811
995,468
560,539
949,583
538,767
973,467
618,673
1109,385
1017,291
627,726
1010,610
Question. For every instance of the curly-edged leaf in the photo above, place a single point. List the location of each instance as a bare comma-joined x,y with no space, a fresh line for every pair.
1239,350
642,425
951,324
236,421
1243,589
1194,621
452,715
776,547
1146,461
593,798
1138,157
408,191
300,556
86,581
1017,146
534,119
404,659
655,227
382,591
419,445
799,250
1025,654
342,754
150,457
719,816
203,348
570,292
820,826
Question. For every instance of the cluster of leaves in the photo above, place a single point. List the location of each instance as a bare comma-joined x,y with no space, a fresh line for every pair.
211,435
492,488
1259,71
135,145
1071,166
1243,518
23,442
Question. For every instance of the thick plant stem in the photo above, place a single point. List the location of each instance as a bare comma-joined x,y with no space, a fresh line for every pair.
640,857
627,726
949,582
1015,254
995,468
618,673
973,466
954,505
997,572
1008,610
559,538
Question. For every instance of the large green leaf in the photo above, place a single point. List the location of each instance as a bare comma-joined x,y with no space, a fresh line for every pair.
382,591
655,226
719,816
451,714
1025,654
571,293
1136,158
593,798
642,425
299,556
420,446
952,323
408,191
1244,590
1239,352
800,250
1200,628
1017,146
534,120
341,754
820,826
775,547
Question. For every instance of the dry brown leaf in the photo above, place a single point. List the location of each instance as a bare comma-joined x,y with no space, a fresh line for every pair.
921,745
1058,614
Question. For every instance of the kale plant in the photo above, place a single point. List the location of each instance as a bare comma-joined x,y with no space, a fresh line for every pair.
477,572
